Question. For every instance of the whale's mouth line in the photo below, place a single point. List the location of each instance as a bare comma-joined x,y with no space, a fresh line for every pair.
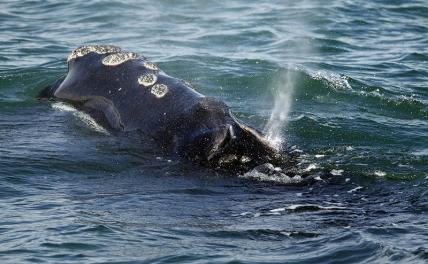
218,149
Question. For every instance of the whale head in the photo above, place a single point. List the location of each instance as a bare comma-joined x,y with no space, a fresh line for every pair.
215,137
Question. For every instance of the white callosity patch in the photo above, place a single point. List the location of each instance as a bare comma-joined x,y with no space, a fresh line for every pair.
151,66
84,50
159,90
147,79
119,58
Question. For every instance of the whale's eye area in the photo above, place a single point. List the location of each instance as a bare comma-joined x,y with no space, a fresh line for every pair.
159,90
147,79
119,58
84,50
151,66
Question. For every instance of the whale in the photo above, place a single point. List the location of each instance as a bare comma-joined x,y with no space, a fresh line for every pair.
127,92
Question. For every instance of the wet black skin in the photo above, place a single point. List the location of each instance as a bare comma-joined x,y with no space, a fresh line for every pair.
183,121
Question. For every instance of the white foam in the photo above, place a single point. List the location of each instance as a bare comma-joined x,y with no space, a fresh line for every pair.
296,150
355,189
336,172
277,210
245,213
277,177
295,207
380,173
334,203
311,166
336,81
420,152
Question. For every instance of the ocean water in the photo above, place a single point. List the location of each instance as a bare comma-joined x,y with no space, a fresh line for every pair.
345,83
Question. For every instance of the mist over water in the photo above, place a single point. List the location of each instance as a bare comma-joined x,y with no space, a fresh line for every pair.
283,85
345,82
283,98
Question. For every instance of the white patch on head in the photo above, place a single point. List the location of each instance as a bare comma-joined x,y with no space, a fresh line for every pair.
84,50
119,58
147,79
159,90
151,66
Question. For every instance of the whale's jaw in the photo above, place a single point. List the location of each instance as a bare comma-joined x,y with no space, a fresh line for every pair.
231,145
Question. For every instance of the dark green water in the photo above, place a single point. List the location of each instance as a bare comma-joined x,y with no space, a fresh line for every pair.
353,74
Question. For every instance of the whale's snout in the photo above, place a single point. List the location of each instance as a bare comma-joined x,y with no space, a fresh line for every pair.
215,137
245,146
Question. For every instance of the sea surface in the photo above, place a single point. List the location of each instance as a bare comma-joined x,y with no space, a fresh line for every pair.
344,83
